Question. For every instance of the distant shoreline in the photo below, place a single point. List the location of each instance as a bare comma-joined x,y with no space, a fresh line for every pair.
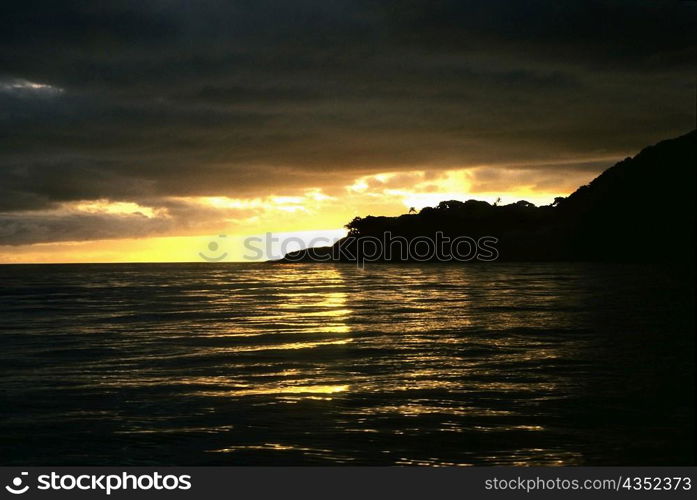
640,210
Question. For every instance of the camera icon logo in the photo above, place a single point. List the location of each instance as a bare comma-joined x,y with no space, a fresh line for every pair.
16,488
214,246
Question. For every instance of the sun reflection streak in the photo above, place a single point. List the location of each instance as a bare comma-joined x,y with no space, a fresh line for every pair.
296,389
430,359
304,318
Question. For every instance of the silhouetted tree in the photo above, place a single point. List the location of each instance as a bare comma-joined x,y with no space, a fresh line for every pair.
628,213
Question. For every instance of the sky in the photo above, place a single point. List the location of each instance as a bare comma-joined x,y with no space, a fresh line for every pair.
157,130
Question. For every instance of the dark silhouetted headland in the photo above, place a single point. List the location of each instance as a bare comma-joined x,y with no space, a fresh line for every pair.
641,209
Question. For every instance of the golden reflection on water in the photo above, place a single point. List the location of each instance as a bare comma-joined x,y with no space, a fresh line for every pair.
325,364
318,311
293,389
275,447
423,369
312,310
281,347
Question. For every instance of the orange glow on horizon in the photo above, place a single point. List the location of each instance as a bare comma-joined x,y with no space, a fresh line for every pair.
309,215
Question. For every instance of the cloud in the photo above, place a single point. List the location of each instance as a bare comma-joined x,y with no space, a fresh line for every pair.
24,88
30,229
136,101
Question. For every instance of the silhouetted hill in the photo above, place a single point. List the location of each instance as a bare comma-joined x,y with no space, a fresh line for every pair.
643,208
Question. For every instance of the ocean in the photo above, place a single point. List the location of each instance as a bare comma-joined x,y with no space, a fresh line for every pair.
333,364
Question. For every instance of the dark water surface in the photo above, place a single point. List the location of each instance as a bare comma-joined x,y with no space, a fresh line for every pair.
332,364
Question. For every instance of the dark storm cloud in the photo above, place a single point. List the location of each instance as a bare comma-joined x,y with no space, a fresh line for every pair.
133,100
32,228
170,216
